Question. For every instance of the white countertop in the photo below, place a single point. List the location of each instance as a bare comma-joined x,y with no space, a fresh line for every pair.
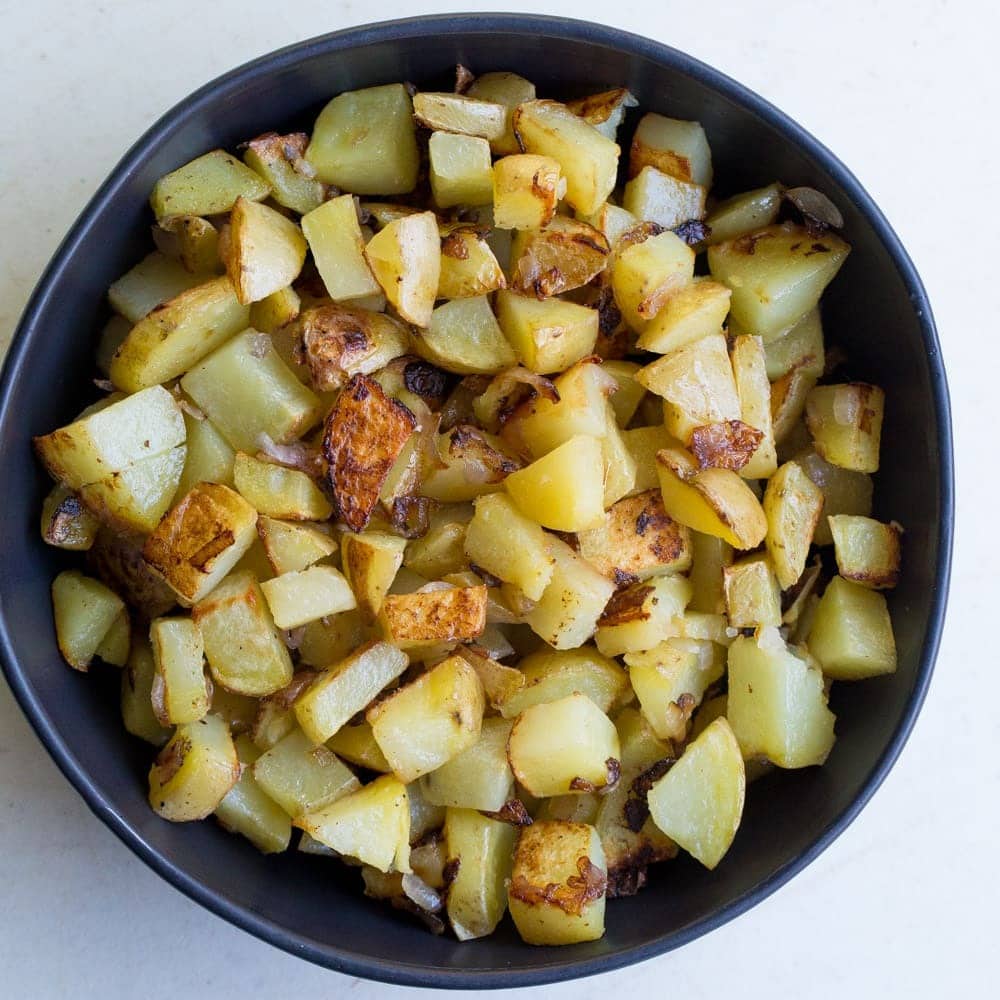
903,903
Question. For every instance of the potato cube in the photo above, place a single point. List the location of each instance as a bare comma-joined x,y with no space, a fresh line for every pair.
440,552
208,185
643,443
845,422
370,562
744,213
509,545
303,596
507,89
431,720
558,884
247,391
613,221
678,148
479,777
482,851
292,547
526,190
243,649
301,777
645,274
201,540
777,705
563,255
792,504
458,113
364,141
112,439
154,280
637,540
641,616
84,610
371,824
334,236
753,594
278,492
628,393
405,257
452,615
788,401
461,170
181,692
278,159
548,335
654,196
469,267
563,746
464,337
549,675
699,802
137,698
777,275
564,489
249,811
347,688
696,383
194,771
566,614
688,314
264,252
713,501
66,523
588,160
173,339
866,550
851,634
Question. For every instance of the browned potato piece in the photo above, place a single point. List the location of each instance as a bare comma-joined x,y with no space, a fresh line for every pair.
451,615
792,505
675,147
370,562
469,267
405,257
605,110
264,251
728,444
558,884
461,114
788,399
190,239
845,422
280,160
564,255
866,550
474,463
637,540
526,190
66,523
365,432
339,341
201,540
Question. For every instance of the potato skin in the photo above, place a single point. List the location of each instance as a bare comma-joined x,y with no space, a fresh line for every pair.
365,432
728,444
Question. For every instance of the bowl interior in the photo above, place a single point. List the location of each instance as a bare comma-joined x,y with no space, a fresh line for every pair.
312,906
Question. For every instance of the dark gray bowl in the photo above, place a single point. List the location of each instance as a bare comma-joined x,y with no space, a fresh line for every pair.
877,309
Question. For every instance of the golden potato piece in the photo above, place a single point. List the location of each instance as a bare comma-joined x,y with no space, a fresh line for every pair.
249,811
451,615
744,213
208,185
753,594
526,190
431,720
469,266
279,492
637,540
264,252
473,463
649,267
280,160
699,802
338,248
548,335
792,505
728,444
461,114
655,196
365,432
605,110
66,523
477,778
371,561
84,610
405,257
191,240
638,618
201,540
866,550
845,422
675,147
464,337
688,313
507,89
558,884
754,391
181,692
306,595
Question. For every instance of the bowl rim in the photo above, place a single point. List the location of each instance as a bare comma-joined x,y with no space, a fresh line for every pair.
385,969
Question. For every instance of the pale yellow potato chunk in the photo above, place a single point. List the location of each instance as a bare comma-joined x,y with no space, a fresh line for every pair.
156,279
754,391
845,422
248,810
645,274
676,147
699,802
744,213
279,492
371,561
461,170
655,196
405,257
526,190
303,596
464,337
291,547
792,505
753,594
479,777
84,610
548,335
688,314
337,244
208,185
180,690
507,89
460,114
867,551
642,616
264,252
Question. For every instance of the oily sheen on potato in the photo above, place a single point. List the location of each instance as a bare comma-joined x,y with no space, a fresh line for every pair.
472,499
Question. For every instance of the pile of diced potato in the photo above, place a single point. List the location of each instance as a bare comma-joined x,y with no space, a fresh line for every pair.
469,510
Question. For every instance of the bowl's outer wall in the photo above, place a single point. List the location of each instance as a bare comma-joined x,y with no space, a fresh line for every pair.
306,904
